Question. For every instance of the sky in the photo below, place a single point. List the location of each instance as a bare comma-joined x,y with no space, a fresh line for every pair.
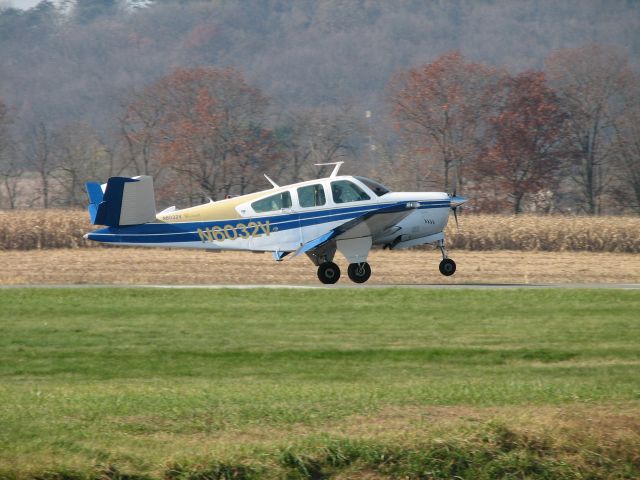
23,4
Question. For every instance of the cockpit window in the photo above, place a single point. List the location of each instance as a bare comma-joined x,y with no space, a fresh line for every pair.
311,196
344,191
376,187
272,203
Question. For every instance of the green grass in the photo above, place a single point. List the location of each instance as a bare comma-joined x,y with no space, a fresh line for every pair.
105,383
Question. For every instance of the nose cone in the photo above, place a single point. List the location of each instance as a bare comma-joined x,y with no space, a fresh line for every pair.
456,201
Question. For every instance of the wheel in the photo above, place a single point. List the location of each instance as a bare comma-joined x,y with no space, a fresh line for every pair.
359,272
328,273
447,267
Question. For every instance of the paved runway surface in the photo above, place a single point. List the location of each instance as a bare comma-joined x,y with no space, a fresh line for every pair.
455,286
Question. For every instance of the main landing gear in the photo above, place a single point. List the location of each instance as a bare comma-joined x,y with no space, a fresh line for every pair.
447,266
359,272
329,272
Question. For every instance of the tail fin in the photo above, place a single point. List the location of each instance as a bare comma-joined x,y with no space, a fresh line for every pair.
122,201
95,198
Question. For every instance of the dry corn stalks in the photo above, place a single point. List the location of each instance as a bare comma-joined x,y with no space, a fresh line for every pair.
33,229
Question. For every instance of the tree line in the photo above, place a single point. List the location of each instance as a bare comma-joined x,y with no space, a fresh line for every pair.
207,95
564,138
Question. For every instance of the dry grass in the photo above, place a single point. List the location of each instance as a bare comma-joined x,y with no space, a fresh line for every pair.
197,267
35,229
546,233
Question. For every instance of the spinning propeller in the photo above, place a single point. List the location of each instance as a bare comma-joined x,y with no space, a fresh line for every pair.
456,202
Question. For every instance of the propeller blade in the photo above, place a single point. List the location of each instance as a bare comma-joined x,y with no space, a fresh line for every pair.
455,215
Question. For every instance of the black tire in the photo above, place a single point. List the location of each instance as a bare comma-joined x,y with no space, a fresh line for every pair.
329,273
359,272
447,267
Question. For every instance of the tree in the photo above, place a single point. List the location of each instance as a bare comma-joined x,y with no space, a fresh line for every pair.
441,109
320,135
37,151
80,157
10,171
212,131
333,132
627,149
294,142
588,81
528,132
141,130
86,11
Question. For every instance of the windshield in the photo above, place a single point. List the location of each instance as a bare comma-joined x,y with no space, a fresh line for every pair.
376,187
344,191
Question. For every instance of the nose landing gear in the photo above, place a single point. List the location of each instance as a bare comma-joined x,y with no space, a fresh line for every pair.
447,266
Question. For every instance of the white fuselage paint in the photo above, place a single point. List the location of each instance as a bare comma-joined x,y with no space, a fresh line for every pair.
422,222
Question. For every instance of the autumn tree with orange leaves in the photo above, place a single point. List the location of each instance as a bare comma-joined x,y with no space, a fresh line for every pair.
440,111
205,125
529,145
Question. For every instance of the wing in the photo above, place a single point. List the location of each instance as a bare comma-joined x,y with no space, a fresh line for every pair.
367,225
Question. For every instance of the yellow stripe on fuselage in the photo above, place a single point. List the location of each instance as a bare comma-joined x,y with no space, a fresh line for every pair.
220,210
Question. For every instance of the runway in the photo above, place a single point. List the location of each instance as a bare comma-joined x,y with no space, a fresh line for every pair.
434,286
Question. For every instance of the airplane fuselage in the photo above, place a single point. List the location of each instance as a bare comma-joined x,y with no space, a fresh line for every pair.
255,223
346,214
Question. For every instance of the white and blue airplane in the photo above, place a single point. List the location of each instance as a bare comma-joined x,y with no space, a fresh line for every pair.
344,213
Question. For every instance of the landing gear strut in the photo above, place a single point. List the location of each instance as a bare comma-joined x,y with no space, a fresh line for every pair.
328,273
359,272
447,266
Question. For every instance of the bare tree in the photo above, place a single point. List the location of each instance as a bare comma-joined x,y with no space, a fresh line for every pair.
37,146
333,132
141,130
294,141
80,157
588,81
627,149
10,171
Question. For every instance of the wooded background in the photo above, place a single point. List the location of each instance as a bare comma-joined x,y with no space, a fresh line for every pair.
523,106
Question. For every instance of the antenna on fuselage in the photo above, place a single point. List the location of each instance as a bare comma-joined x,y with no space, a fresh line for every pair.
335,169
275,185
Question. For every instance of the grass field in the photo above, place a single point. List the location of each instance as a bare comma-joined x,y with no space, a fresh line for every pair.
399,383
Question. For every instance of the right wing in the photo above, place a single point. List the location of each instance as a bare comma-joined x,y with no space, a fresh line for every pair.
368,224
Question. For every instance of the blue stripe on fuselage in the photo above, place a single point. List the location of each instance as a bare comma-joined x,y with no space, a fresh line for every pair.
186,232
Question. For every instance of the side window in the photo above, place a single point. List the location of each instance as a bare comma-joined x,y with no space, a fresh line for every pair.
272,203
311,196
344,191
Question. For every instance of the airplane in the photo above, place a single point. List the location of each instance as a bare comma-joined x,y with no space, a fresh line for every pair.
340,213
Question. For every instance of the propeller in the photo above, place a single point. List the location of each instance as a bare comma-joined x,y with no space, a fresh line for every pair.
456,202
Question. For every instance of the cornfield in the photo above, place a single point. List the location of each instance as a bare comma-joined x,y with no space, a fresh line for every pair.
545,233
35,229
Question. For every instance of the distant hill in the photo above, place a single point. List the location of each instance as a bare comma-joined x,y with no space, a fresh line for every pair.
80,63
